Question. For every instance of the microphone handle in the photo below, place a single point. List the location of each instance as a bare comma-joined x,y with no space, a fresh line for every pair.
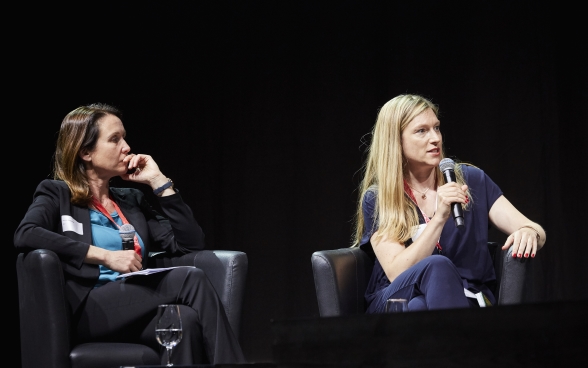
456,209
128,244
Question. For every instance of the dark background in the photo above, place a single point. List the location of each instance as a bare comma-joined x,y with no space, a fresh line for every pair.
260,111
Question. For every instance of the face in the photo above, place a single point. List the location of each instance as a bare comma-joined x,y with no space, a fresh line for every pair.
421,140
111,148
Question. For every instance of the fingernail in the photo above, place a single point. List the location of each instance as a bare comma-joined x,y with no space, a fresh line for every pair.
514,255
532,255
526,255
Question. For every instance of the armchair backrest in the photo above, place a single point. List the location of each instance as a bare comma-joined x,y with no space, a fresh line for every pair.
341,277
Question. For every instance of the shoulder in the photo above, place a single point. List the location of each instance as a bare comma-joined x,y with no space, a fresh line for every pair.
471,172
371,192
52,186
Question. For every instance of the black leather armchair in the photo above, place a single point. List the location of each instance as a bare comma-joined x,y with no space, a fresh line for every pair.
341,277
45,318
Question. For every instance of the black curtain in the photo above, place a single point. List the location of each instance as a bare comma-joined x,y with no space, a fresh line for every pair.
260,112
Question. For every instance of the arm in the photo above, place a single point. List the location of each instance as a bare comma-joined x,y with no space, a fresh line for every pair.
178,231
526,236
395,258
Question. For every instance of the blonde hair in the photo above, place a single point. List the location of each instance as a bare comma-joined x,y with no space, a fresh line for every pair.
384,170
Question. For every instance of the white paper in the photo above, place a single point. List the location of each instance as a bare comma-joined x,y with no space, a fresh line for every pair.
68,223
479,296
418,231
147,271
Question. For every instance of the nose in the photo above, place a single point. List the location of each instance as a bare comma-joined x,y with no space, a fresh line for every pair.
435,136
126,148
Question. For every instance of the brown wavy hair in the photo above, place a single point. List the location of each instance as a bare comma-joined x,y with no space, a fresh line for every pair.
79,131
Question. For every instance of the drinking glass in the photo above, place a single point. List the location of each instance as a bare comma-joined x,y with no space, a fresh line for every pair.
168,328
396,305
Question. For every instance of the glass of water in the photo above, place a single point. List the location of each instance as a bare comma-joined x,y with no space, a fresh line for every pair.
168,328
396,305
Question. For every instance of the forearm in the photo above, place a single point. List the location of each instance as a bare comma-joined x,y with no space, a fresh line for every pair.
96,255
187,232
406,257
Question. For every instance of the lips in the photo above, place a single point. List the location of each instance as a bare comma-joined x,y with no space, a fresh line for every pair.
434,150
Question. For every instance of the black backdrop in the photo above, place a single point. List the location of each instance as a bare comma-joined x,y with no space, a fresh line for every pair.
260,113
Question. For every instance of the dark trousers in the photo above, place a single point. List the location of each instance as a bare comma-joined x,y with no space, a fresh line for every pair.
433,283
124,311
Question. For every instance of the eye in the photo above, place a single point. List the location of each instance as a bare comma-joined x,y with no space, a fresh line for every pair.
438,128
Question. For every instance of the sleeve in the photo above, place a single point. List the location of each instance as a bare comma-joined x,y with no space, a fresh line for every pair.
369,215
177,231
493,191
482,186
41,227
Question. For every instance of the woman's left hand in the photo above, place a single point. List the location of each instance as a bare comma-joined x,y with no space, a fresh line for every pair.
146,170
524,243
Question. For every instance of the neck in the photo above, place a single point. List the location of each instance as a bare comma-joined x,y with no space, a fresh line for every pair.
100,189
422,179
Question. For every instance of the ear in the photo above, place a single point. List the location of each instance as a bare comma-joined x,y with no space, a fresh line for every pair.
85,155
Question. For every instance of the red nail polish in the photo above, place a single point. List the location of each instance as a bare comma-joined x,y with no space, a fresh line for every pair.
514,255
526,255
532,256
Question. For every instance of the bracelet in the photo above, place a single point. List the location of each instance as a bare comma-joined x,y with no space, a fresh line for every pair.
532,228
160,190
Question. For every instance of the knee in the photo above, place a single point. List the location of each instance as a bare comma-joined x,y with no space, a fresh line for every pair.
195,274
189,315
439,263
188,277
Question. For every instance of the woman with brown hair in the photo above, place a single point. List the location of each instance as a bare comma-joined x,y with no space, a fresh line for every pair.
79,216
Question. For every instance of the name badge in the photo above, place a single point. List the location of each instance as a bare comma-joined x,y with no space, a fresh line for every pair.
68,223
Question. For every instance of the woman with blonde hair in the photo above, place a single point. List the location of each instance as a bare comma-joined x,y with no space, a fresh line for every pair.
404,212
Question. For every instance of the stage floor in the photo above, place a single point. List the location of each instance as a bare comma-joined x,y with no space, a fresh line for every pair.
530,335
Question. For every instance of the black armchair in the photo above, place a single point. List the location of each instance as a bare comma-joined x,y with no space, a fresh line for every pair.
45,318
341,277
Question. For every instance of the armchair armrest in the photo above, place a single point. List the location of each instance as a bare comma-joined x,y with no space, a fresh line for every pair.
340,278
226,270
43,307
512,278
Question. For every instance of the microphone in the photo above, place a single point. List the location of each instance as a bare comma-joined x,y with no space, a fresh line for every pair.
447,166
127,234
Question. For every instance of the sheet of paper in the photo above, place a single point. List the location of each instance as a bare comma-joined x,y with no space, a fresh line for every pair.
147,271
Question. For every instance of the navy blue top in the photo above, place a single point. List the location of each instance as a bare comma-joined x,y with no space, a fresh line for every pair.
467,248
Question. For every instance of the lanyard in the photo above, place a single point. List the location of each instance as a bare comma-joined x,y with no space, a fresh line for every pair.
408,191
103,210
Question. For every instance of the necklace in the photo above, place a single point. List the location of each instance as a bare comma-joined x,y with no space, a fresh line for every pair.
424,194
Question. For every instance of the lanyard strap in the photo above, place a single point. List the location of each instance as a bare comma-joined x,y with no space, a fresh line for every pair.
410,194
103,210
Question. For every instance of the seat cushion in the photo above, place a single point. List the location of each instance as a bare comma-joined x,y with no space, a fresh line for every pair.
112,355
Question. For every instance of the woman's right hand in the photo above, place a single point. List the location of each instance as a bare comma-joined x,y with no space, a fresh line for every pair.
446,195
122,261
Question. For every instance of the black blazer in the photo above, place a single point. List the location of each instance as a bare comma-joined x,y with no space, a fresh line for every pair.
52,222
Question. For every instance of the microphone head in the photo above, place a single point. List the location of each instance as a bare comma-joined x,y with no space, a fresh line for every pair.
126,232
446,164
